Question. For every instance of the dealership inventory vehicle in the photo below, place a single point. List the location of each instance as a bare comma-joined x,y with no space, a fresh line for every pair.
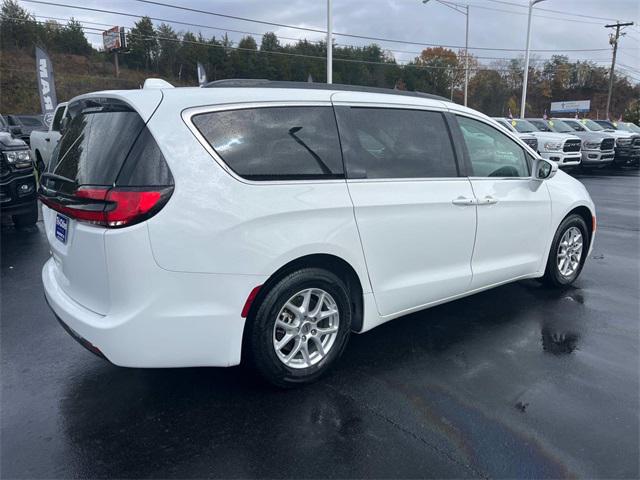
17,182
268,220
623,126
527,138
562,148
44,142
627,150
27,124
597,147
14,131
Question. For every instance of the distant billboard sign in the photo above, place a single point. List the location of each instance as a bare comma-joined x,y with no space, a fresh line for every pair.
572,106
114,39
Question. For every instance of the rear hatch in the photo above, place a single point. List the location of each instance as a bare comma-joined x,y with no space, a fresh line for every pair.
106,172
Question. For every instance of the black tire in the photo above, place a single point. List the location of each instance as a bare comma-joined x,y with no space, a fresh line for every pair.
552,276
27,219
261,352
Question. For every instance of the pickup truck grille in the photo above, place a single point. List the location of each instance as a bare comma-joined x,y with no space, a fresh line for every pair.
572,146
4,167
532,142
608,144
636,142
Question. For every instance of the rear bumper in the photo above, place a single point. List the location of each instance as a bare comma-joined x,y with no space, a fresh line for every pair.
563,159
597,157
186,320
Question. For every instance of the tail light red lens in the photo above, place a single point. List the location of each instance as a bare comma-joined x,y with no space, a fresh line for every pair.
111,207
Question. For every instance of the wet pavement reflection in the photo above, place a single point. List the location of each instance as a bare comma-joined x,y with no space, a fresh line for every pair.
520,381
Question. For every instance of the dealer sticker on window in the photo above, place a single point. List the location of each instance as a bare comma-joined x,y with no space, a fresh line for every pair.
62,224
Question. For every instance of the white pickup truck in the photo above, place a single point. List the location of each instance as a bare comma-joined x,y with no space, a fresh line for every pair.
43,143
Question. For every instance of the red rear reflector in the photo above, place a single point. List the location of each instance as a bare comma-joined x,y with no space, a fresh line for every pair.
247,305
595,224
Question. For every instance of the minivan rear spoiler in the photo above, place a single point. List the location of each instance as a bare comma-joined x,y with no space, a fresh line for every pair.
156,83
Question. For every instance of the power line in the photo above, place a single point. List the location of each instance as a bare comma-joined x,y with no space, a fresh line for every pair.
289,54
414,52
406,42
98,32
157,19
504,2
534,15
316,30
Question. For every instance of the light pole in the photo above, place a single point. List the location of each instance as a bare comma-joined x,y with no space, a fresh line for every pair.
525,78
329,44
463,9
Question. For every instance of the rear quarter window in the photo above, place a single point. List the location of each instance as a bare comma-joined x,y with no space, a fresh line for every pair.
275,143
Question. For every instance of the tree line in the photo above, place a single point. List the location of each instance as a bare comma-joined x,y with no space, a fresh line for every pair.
494,88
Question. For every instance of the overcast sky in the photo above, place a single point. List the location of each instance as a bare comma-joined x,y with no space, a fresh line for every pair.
493,23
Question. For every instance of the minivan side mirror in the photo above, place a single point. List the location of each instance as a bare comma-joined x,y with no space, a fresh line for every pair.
544,169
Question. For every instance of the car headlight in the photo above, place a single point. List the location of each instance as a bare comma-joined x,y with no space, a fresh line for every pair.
552,146
623,142
19,158
591,145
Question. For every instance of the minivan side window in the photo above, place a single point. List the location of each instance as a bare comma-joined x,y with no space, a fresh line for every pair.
395,143
491,153
275,143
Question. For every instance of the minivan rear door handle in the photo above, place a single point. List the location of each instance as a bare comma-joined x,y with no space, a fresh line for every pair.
464,201
488,200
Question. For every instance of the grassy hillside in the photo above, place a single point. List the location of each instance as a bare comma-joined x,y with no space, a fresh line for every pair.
74,75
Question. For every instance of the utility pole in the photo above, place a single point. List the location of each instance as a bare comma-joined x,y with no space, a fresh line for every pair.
466,59
329,44
115,56
525,77
613,40
463,9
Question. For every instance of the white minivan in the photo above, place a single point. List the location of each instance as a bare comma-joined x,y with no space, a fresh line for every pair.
266,221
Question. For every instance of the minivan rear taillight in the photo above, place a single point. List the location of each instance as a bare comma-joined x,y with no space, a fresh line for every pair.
111,207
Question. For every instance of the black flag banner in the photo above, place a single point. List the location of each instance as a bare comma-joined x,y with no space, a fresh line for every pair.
46,85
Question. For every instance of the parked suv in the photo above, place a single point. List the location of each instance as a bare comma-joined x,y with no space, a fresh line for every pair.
527,138
561,148
627,150
17,182
597,147
268,220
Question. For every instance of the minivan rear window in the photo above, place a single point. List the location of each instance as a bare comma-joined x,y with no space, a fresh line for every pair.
96,142
105,143
275,143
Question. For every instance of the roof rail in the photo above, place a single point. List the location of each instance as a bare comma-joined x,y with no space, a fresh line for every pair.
264,83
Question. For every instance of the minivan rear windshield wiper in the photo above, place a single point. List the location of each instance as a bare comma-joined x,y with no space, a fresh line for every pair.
54,176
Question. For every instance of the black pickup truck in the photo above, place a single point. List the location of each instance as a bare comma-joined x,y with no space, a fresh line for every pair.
17,181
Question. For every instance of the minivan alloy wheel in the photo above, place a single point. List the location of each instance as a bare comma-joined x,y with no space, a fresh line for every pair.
306,328
570,252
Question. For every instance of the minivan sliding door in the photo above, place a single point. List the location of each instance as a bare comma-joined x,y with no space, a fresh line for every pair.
413,210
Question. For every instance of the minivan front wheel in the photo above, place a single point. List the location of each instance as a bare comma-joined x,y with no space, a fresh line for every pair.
300,328
568,251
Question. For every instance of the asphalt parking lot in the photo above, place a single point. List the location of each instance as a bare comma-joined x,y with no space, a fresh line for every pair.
521,381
